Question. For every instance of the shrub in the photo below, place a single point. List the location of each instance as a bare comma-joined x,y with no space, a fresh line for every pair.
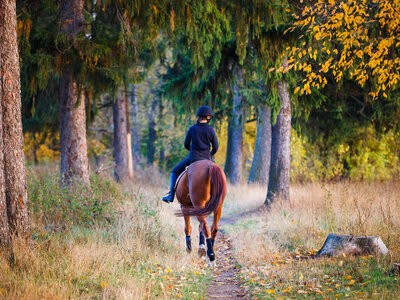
58,207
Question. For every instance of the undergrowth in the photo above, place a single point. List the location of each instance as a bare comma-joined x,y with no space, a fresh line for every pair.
106,241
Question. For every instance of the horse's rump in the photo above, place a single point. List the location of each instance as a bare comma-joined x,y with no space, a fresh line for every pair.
217,181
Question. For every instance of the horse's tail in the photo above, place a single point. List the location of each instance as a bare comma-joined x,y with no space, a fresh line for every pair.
218,190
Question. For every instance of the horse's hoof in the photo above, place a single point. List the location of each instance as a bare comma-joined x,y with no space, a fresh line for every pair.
212,264
211,256
202,250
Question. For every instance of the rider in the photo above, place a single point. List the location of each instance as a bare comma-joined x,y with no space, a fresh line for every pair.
198,140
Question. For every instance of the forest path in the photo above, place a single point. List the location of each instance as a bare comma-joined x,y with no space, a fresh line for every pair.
225,284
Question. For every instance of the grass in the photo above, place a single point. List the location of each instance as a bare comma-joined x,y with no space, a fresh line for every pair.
109,242
268,244
121,242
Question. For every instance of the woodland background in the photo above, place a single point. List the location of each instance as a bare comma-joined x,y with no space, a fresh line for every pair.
305,95
337,132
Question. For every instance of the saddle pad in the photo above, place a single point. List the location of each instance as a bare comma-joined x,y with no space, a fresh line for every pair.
179,178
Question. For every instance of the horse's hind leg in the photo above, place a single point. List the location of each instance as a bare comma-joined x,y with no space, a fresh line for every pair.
188,231
209,241
202,244
214,226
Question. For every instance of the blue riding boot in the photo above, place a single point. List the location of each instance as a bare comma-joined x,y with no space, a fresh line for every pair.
170,196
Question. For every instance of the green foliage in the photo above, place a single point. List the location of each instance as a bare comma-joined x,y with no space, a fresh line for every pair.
373,157
204,32
368,155
61,207
303,166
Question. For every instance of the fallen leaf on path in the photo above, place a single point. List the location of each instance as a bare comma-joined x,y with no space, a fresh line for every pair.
351,282
288,290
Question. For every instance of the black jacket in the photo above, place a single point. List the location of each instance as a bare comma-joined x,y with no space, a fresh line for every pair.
199,139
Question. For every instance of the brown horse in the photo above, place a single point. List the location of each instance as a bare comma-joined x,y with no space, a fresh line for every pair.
201,191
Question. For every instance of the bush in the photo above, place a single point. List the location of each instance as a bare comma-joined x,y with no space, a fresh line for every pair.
58,207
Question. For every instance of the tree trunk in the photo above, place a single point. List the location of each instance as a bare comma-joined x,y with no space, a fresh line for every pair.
395,268
279,175
161,139
13,187
237,127
5,236
259,172
152,133
122,151
227,166
345,244
72,114
135,130
128,132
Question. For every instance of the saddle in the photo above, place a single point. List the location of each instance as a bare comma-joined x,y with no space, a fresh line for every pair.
179,177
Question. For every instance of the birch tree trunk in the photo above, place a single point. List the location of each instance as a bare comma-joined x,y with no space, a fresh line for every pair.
128,132
259,172
237,127
122,151
279,175
13,188
72,114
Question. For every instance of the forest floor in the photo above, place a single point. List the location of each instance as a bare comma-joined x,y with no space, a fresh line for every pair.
123,242
272,248
108,242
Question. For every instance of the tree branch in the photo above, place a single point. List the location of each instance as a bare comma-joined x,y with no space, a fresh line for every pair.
101,130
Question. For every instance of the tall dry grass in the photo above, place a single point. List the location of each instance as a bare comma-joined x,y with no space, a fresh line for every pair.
135,250
315,210
267,244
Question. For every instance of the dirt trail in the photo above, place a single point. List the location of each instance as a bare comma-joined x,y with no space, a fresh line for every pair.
225,284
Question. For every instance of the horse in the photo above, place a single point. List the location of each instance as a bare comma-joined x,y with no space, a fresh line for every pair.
201,191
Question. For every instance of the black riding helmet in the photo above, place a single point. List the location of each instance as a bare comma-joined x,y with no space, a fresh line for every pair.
205,111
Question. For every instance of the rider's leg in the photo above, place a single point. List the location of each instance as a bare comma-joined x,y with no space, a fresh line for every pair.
174,176
170,197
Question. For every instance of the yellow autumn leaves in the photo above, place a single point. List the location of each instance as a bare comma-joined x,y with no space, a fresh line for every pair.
355,37
325,279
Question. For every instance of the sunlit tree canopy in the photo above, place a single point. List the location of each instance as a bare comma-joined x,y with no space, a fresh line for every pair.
356,38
